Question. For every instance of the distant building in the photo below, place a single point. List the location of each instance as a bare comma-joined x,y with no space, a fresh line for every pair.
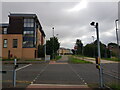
64,51
21,37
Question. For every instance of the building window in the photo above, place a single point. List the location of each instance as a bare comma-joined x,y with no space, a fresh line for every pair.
28,44
4,30
28,33
5,43
15,41
28,22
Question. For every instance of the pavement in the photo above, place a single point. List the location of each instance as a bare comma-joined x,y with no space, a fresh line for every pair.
59,74
93,60
63,60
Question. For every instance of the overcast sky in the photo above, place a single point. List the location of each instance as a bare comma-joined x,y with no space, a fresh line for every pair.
71,20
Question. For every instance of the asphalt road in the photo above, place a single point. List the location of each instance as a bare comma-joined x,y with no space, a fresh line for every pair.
71,74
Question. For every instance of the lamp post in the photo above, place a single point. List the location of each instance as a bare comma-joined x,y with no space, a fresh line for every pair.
116,24
59,47
93,47
53,42
45,48
99,56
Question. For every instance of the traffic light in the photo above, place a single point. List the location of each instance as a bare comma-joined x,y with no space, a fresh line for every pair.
97,60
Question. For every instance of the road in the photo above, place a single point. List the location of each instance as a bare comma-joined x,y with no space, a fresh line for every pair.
59,72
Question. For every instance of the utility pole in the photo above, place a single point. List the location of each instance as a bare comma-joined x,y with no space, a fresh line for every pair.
117,37
53,42
93,47
99,56
45,48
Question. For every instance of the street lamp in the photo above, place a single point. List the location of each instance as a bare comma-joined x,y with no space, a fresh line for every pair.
99,56
93,47
53,42
117,35
59,47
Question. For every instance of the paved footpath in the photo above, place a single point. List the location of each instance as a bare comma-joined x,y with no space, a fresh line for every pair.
63,60
93,60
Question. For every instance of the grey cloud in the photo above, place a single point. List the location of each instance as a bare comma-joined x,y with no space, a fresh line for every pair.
70,25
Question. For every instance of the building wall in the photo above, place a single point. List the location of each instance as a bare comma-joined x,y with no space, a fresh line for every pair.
38,37
15,25
29,53
64,51
14,51
19,52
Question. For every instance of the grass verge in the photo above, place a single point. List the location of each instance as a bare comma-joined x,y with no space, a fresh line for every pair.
77,61
7,59
114,86
112,59
58,57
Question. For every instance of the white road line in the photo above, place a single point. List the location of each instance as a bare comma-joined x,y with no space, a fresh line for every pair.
23,67
39,74
78,75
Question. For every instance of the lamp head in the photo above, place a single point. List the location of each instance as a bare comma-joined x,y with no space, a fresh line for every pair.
53,28
117,20
92,23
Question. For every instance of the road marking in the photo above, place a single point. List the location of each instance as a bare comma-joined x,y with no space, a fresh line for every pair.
39,74
111,75
78,75
23,67
57,85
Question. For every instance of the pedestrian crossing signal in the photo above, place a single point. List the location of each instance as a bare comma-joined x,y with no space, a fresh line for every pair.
97,66
97,62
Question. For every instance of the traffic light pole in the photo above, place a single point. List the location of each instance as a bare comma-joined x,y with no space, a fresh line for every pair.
99,56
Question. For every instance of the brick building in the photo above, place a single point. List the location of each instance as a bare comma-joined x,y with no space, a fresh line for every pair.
64,51
21,36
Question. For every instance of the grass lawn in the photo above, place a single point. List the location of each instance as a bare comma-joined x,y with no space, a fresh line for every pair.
22,61
77,61
115,87
6,59
58,57
34,60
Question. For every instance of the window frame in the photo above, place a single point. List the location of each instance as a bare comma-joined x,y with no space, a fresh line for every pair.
15,43
5,30
28,22
5,43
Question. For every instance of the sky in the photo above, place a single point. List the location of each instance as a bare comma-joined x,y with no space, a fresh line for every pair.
71,20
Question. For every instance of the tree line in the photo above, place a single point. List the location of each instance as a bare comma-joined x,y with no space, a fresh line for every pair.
90,50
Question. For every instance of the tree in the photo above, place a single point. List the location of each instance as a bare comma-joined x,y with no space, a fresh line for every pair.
113,49
79,45
52,45
91,49
41,51
73,51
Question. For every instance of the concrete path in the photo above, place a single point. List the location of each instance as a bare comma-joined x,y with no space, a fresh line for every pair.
63,60
93,60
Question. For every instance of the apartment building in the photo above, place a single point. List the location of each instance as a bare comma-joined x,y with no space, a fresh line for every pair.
21,37
64,51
